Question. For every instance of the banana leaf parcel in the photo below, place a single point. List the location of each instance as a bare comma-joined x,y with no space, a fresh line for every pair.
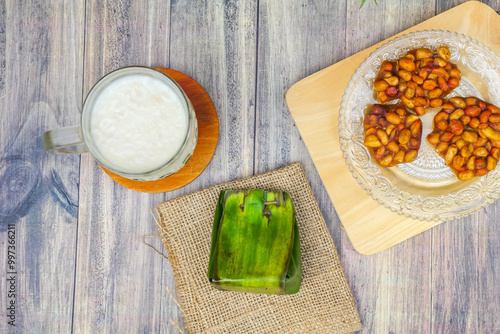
255,243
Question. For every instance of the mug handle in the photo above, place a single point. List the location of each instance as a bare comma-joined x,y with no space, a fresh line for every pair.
65,140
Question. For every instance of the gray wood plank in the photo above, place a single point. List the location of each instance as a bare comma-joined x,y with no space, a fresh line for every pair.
214,42
296,39
465,275
41,47
392,288
455,277
119,281
488,267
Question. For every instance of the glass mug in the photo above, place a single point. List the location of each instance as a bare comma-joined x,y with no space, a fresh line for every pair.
136,122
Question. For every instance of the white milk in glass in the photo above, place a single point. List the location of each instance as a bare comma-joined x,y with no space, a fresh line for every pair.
138,123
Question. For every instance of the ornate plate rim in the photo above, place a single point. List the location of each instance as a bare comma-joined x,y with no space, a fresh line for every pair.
453,214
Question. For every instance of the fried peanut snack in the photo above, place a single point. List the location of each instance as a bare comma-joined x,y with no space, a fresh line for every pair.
393,134
421,79
467,135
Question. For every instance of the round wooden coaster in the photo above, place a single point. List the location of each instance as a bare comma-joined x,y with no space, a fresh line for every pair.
208,136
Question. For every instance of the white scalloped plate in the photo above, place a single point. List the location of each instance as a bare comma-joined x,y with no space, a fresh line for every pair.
425,189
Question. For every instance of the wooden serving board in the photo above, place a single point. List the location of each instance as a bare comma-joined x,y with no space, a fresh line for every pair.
315,102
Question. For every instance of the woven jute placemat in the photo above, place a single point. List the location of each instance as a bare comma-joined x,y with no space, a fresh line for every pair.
324,303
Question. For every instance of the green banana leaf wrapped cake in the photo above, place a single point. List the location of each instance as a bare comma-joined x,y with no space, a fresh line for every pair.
255,243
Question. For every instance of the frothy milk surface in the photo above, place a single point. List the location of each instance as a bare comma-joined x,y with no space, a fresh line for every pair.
138,123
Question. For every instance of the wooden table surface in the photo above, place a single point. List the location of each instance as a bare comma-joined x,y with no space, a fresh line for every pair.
80,261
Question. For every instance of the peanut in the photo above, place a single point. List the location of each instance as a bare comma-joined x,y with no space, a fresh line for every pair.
404,74
417,79
483,118
399,157
423,53
429,84
495,153
392,80
407,64
480,152
411,155
458,102
472,111
389,129
421,102
380,85
371,131
435,93
436,103
393,147
465,119
411,119
481,172
442,125
469,136
458,162
379,153
446,137
386,66
393,118
423,73
456,127
384,139
460,143
474,122
408,102
382,97
480,163
372,141
491,134
444,53
465,152
415,128
404,136
466,175
441,116
494,109
492,163
471,164
391,91
442,147
456,114
386,161
440,61
443,83
453,83
419,110
455,72
433,138
494,118
471,101
409,92
450,154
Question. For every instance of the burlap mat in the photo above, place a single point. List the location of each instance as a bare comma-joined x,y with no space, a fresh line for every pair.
324,303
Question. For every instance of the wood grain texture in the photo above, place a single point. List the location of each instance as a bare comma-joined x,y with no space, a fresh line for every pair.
208,136
119,286
79,233
39,193
296,39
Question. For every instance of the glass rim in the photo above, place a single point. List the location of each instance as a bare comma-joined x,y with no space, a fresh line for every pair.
87,113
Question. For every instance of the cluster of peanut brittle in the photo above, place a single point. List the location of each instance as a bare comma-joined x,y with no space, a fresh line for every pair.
466,130
421,79
393,134
467,135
